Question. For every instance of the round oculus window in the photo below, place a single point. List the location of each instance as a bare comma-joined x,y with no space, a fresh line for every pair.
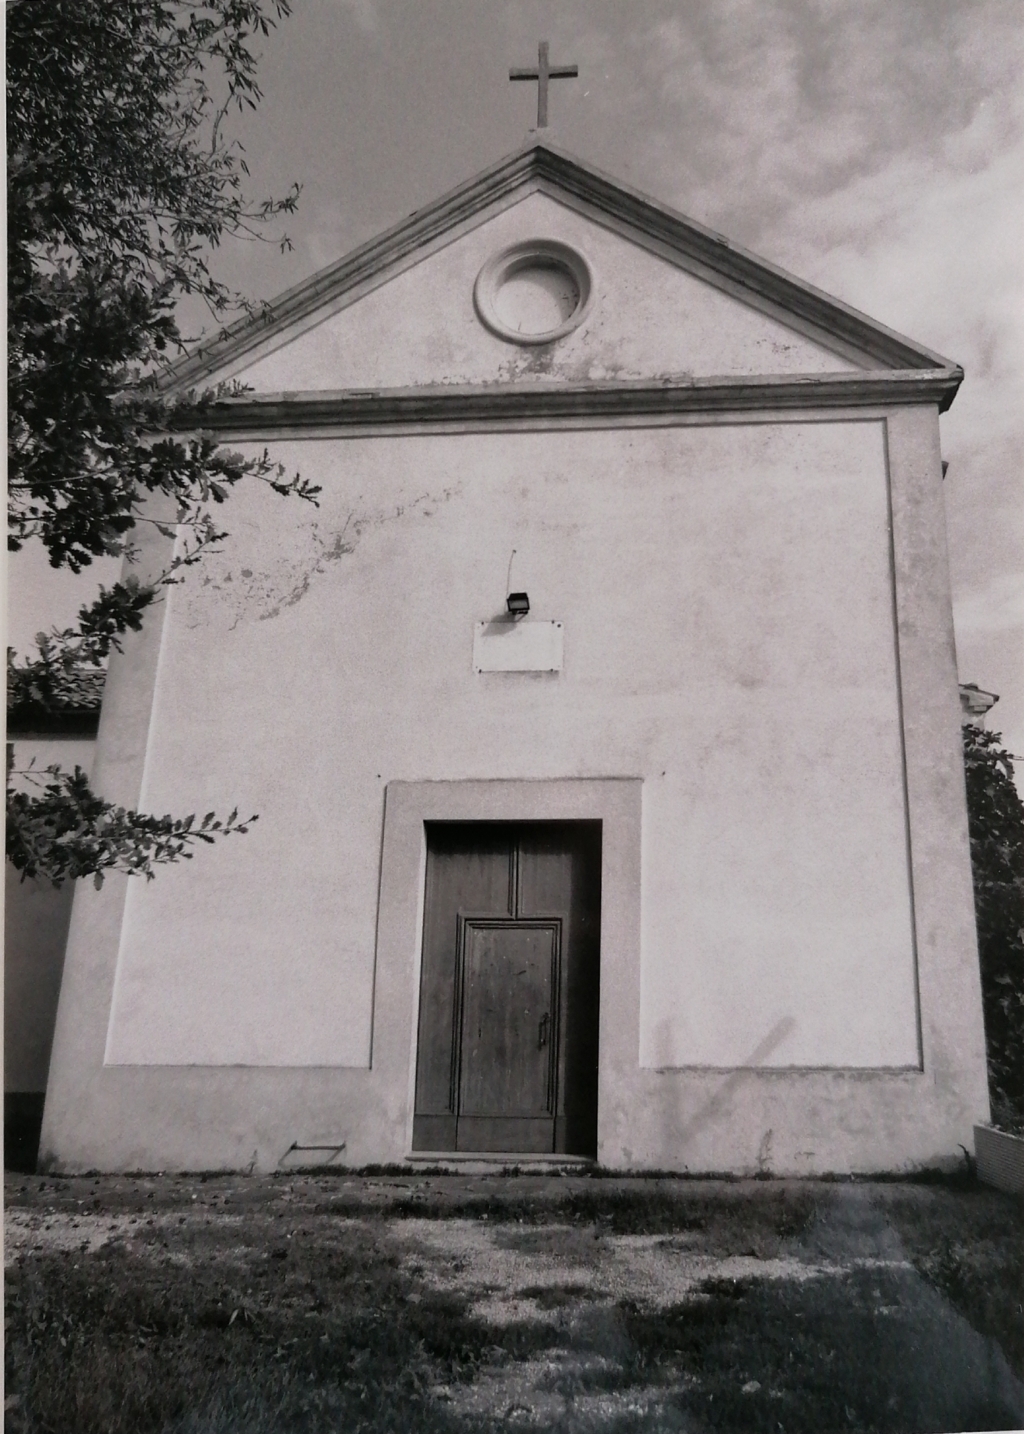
534,292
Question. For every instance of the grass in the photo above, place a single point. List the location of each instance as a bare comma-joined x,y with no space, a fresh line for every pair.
728,1217
292,1307
769,1355
973,1251
323,1339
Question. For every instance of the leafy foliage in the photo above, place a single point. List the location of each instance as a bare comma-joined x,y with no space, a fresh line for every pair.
996,821
67,831
122,180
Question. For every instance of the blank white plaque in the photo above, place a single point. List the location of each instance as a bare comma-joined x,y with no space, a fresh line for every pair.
516,645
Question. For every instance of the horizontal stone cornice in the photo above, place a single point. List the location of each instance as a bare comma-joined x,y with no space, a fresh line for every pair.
510,403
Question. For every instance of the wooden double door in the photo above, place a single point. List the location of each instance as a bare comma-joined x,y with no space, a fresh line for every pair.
508,1021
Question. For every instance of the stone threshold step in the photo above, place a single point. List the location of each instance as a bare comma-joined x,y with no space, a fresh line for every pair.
496,1157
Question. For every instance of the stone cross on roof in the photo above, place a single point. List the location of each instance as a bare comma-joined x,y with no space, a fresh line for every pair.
544,72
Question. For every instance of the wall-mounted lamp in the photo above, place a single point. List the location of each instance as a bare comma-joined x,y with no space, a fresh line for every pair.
518,604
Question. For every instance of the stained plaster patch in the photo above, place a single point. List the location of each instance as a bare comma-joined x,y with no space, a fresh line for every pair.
248,587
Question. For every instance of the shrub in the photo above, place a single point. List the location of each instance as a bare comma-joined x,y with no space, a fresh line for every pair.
995,815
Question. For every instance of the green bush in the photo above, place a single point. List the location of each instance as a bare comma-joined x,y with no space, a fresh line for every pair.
995,815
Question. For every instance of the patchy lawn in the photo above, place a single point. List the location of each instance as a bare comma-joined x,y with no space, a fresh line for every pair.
180,1305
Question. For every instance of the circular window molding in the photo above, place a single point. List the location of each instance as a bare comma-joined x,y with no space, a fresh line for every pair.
534,292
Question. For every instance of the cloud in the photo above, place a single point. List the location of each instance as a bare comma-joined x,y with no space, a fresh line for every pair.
363,12
937,254
996,606
764,103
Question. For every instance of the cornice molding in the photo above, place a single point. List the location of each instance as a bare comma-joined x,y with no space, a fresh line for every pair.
548,167
357,269
745,270
496,405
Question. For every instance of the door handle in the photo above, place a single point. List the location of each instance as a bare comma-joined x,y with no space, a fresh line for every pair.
542,1031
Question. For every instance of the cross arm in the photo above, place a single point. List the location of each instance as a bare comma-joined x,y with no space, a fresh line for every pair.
555,72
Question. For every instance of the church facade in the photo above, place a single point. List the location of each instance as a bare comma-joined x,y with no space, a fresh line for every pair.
602,721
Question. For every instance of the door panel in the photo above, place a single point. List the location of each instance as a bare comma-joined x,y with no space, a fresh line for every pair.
468,869
519,1136
509,1020
559,873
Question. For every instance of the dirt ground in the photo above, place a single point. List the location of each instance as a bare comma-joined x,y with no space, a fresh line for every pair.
472,1303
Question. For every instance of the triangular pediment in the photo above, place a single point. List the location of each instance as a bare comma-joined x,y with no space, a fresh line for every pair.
667,300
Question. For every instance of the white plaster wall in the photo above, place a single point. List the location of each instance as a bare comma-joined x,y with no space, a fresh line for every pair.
648,318
728,611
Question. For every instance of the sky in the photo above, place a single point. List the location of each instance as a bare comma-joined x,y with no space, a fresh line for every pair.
872,147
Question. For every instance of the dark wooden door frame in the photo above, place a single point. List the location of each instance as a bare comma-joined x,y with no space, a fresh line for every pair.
518,896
